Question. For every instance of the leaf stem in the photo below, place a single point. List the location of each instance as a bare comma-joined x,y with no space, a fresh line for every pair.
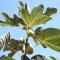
24,56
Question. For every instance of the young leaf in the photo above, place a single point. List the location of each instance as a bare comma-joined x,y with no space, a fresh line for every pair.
37,16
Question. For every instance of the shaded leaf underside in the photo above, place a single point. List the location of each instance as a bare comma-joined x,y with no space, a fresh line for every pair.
6,58
13,46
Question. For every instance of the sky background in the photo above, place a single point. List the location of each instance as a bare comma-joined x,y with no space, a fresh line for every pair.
11,7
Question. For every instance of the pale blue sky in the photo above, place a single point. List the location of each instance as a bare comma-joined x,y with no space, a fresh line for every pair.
10,6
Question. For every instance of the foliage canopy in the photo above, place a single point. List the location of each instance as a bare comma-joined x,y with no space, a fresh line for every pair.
49,37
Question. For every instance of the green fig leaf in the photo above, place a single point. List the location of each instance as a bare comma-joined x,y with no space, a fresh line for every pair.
50,11
49,37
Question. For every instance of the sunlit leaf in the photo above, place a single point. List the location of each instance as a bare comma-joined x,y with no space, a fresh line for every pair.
37,15
37,12
41,20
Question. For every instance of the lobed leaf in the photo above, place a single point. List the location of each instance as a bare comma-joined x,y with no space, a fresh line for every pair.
49,37
37,12
37,16
11,21
41,20
14,46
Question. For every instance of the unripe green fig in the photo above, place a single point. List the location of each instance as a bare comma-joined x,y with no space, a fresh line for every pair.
29,50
